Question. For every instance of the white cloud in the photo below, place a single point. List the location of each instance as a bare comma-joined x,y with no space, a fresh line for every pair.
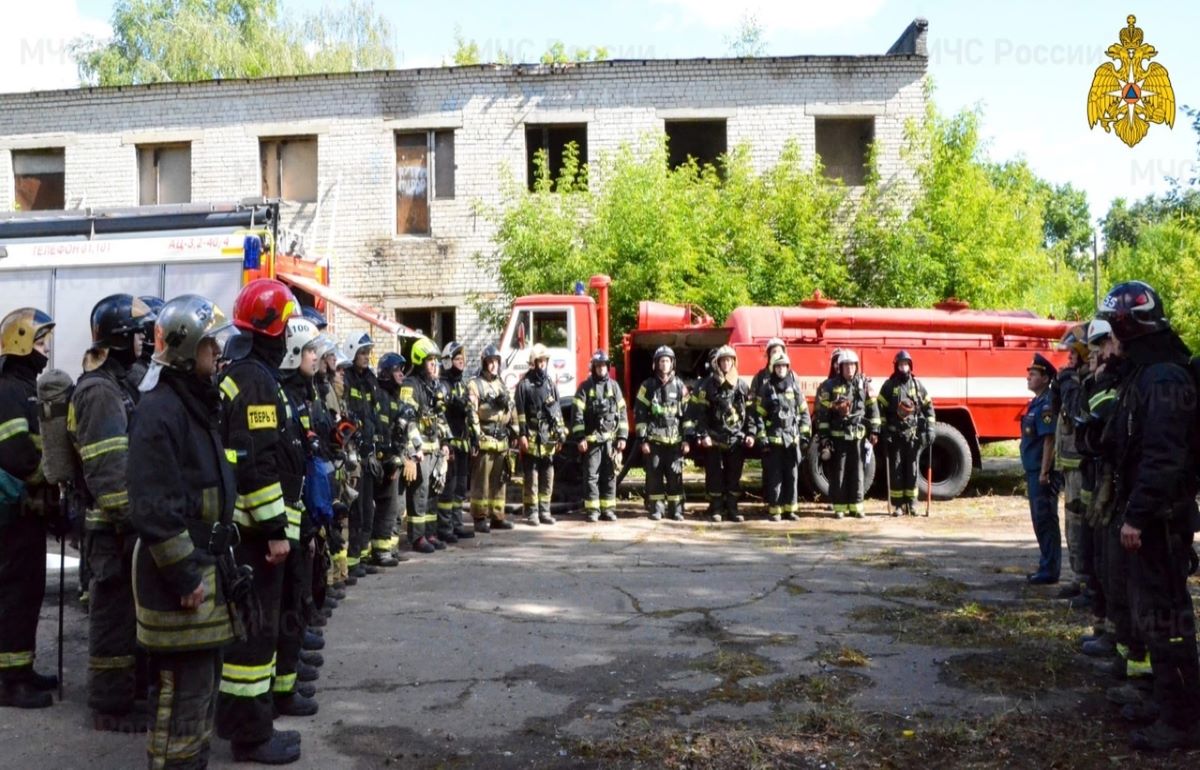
35,40
776,15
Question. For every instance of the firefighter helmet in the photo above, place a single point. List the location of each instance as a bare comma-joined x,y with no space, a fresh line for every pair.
726,351
325,345
775,342
600,357
389,363
316,316
902,356
355,342
1075,339
423,350
183,323
264,306
664,352
780,358
1098,330
116,318
155,304
490,352
539,352
21,328
1134,310
301,333
451,350
847,357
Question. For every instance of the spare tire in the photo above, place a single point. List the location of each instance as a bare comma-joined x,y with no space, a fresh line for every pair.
814,473
952,464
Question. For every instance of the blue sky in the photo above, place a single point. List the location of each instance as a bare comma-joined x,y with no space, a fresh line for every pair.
1026,64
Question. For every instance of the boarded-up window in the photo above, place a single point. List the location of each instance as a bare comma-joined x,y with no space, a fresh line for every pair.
422,156
553,140
437,323
844,144
289,168
39,179
704,140
412,184
164,174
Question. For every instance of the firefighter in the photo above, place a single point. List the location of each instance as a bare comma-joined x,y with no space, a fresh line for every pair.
450,502
847,415
361,393
145,343
493,428
24,349
183,619
1067,459
298,610
908,422
784,432
98,420
774,344
541,431
1037,458
425,473
324,426
723,422
661,426
1155,456
348,469
403,443
254,425
600,431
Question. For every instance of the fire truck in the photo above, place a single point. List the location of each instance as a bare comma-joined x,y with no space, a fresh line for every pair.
973,362
65,261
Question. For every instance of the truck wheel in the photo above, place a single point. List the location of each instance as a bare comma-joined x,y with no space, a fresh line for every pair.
951,464
814,473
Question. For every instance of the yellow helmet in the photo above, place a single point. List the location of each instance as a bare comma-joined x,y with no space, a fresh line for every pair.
422,350
1076,339
21,328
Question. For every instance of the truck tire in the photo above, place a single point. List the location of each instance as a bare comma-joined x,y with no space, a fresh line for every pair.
951,464
813,474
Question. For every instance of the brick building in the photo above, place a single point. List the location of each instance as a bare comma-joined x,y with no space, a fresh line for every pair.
385,171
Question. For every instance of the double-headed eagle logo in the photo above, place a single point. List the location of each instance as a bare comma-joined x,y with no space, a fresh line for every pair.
1131,92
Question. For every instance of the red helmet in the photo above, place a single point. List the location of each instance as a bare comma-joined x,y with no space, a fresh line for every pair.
263,307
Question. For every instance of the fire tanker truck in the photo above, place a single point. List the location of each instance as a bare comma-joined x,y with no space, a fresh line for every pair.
973,362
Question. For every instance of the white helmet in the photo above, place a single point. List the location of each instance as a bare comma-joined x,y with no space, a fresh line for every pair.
356,341
539,352
1098,330
300,334
325,345
847,357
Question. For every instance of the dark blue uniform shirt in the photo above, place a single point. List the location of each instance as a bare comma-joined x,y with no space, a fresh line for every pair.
1038,422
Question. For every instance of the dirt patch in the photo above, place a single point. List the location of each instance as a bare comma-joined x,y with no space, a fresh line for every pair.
842,656
936,589
892,558
971,624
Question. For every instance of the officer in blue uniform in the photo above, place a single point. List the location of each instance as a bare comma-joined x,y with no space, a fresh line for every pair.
1037,458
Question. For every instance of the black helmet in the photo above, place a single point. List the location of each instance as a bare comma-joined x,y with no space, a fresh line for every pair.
389,363
490,352
116,318
902,356
316,316
664,352
600,357
155,304
452,349
1134,310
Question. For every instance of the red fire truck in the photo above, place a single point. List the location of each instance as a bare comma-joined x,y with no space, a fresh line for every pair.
972,361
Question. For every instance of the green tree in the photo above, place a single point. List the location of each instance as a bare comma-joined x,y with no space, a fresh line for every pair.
1166,256
466,52
747,40
185,40
557,53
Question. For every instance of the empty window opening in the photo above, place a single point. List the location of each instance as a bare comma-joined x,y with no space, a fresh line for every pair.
704,140
553,141
844,145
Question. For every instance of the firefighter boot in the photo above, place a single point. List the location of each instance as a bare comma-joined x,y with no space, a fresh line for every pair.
295,705
21,694
275,751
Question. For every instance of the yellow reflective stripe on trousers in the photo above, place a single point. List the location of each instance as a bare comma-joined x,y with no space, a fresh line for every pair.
247,681
381,544
172,550
16,659
110,664
284,684
98,448
161,734
13,427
